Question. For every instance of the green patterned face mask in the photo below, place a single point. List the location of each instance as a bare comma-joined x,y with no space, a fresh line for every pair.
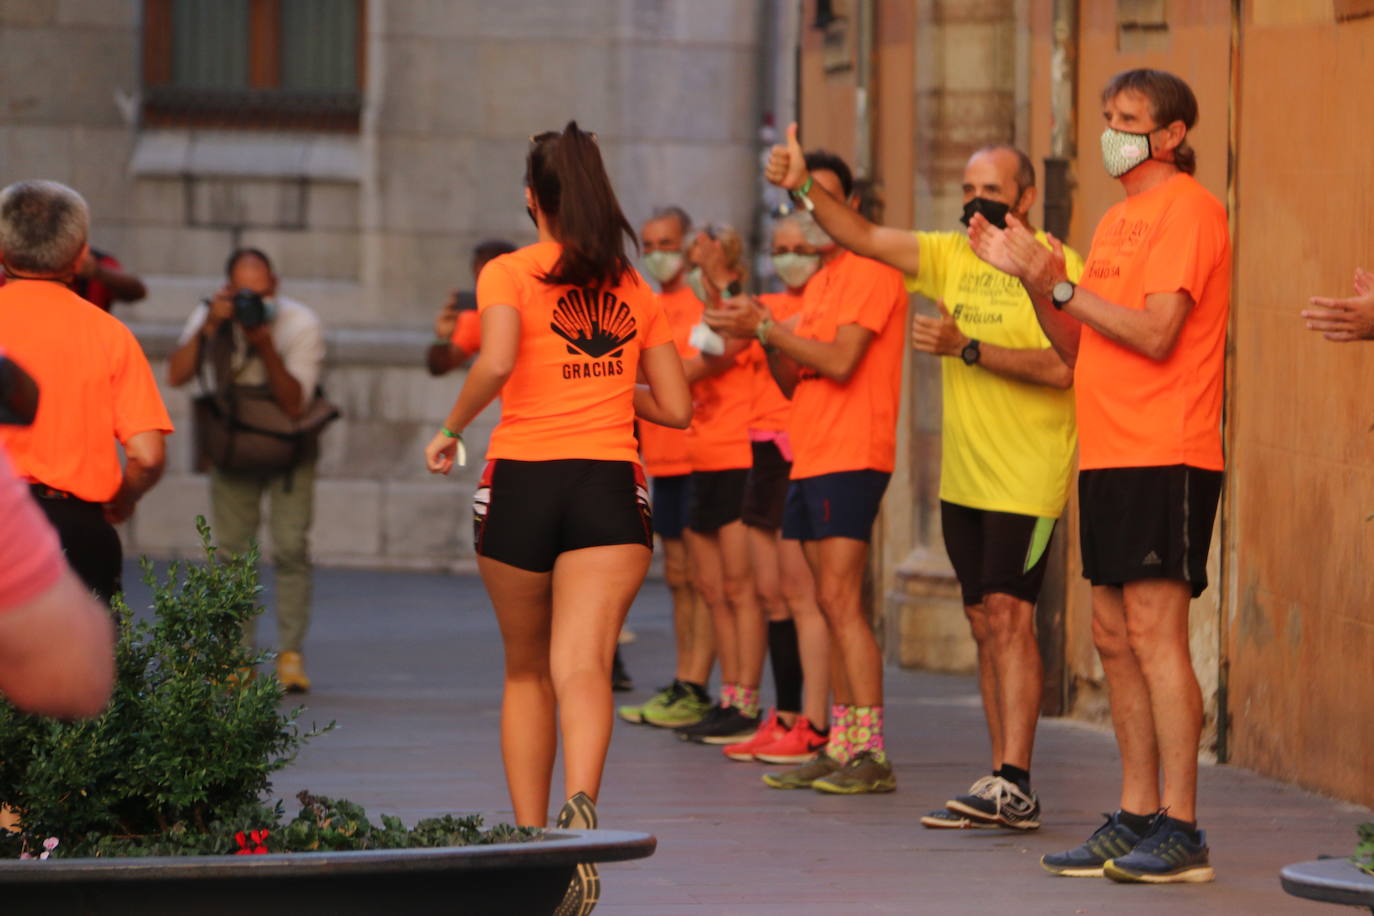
1122,151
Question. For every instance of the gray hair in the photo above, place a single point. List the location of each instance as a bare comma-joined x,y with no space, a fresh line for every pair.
43,226
811,230
672,211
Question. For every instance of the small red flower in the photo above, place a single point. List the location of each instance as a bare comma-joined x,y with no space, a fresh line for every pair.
251,843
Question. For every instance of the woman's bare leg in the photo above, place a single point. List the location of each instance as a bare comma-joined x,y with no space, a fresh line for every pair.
592,592
529,739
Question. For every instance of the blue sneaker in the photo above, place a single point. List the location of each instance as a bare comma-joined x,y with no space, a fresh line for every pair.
1086,861
1171,853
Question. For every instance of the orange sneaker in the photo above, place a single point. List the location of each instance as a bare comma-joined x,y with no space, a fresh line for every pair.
798,744
291,672
770,731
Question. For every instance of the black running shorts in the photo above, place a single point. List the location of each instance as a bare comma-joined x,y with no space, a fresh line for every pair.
716,499
839,505
996,552
1147,523
670,505
526,513
765,490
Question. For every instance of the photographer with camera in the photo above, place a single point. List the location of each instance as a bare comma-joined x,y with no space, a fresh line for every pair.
96,383
265,345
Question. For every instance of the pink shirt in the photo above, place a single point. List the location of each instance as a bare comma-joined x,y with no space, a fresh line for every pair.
30,555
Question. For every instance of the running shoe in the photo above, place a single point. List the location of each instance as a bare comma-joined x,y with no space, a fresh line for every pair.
945,819
662,697
804,776
770,731
1086,861
864,774
579,813
999,801
801,743
1171,853
683,707
620,678
728,726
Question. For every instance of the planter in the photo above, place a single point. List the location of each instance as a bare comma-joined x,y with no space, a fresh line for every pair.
527,879
1330,881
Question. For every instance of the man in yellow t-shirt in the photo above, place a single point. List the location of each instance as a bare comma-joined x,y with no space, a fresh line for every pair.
1007,455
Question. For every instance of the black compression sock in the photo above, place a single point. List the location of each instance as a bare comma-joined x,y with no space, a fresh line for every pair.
1136,823
785,656
1017,775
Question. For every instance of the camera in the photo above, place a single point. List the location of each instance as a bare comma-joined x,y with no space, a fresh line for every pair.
18,394
249,309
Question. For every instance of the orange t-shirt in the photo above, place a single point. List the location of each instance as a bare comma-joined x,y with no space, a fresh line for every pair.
665,449
771,408
571,394
718,439
95,386
467,332
1132,410
851,427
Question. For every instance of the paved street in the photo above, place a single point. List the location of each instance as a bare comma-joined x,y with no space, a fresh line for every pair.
409,667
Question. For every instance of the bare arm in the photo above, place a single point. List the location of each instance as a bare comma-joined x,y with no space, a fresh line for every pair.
123,286
486,378
942,337
705,365
145,455
835,360
1151,331
57,652
666,400
181,367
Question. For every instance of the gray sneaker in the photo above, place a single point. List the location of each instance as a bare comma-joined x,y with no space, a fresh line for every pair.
868,772
803,776
579,813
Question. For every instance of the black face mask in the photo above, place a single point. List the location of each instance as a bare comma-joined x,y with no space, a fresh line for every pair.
994,211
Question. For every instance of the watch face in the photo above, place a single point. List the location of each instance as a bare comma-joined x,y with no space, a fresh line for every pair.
1063,292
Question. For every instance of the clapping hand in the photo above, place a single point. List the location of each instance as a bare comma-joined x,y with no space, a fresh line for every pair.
737,317
1015,251
1344,320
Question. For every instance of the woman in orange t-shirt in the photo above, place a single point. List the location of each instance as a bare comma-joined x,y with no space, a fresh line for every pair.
561,516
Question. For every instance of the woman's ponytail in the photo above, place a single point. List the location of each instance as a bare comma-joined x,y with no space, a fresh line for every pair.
568,179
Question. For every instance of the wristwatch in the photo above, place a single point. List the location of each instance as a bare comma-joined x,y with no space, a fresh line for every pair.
1061,294
971,352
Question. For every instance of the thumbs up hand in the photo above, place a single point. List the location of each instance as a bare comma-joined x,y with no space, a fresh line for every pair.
786,163
938,336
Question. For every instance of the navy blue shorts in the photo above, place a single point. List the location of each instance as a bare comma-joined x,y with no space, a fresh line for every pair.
670,505
839,505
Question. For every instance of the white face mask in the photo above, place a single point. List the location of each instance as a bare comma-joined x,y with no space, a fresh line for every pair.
794,269
1123,151
694,282
663,265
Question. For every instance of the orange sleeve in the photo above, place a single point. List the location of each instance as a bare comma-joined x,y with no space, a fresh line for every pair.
1186,249
498,285
868,295
467,332
659,330
138,403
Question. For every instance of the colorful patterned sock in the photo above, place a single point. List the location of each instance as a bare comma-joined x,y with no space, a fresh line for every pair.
837,744
747,700
866,731
728,695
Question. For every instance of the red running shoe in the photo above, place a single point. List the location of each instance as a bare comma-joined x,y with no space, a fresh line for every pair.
769,732
798,744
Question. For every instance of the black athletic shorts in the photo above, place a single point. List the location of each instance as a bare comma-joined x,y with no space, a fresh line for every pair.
526,513
90,543
716,499
765,490
670,505
1147,523
1000,552
839,505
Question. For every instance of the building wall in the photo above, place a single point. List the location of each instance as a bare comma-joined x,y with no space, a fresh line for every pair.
1300,608
373,229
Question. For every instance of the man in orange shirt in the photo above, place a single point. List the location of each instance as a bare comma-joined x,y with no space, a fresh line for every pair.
97,387
840,360
1146,333
457,329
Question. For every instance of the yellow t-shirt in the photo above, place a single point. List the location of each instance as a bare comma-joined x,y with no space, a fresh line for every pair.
1007,446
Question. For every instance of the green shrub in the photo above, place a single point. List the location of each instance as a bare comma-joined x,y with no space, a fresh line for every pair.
1364,851
182,758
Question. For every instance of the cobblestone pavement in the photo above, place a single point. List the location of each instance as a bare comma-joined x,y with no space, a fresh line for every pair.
409,665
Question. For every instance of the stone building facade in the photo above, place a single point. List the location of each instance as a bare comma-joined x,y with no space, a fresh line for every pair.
371,222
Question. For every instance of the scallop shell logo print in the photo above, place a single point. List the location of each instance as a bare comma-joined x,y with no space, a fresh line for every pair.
593,322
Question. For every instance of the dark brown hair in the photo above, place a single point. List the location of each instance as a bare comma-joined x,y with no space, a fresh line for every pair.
565,173
1171,99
